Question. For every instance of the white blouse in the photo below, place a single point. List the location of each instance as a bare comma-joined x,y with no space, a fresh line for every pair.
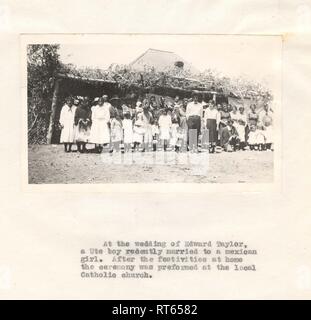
242,117
212,114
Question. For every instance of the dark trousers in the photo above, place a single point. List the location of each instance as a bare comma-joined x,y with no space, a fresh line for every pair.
194,128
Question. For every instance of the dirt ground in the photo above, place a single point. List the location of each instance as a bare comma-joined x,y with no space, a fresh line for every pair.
50,165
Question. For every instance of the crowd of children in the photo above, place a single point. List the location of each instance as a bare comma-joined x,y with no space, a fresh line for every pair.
153,124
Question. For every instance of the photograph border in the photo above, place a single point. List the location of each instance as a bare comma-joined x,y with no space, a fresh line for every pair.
275,186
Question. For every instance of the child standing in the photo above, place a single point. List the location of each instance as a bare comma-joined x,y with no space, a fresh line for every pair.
252,141
240,127
116,133
155,134
138,131
260,138
165,124
174,135
127,124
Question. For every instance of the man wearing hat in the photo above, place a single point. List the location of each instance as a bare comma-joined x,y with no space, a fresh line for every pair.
194,113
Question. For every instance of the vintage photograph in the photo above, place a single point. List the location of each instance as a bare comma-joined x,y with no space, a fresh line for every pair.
153,109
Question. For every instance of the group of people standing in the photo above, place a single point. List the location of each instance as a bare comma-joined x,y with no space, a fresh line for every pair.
182,125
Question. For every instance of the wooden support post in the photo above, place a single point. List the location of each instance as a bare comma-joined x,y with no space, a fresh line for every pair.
214,97
53,112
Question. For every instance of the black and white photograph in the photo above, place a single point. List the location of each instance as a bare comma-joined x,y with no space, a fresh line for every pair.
153,109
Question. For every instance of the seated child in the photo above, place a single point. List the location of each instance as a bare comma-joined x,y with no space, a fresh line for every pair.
229,137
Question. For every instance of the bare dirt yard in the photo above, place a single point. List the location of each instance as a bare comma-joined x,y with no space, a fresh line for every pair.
49,164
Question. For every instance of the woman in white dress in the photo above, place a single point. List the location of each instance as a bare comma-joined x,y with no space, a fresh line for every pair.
66,121
100,133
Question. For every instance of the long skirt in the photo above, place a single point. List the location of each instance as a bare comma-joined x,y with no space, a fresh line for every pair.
221,138
211,125
183,123
148,134
68,133
100,133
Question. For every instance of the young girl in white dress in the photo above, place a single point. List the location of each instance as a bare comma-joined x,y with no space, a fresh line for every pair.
127,124
155,134
165,124
138,131
116,133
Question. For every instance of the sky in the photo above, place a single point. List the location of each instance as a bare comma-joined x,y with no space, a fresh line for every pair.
255,57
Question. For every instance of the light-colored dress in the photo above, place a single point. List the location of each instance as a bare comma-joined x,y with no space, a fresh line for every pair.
100,133
252,138
267,121
139,129
240,125
66,120
260,136
174,134
116,130
165,124
148,127
234,116
127,130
